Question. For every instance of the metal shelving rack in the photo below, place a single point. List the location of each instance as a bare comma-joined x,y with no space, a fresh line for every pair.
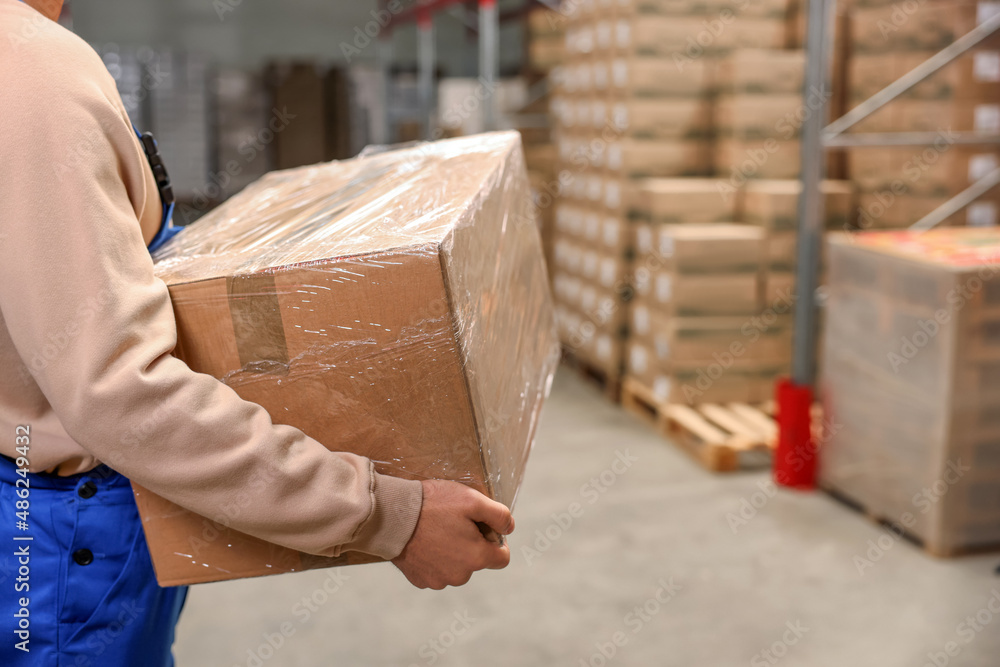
817,137
489,19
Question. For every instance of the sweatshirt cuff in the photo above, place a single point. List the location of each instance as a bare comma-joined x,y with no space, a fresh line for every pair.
393,519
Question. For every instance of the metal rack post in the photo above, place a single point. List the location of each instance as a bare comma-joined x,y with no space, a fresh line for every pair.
425,71
489,60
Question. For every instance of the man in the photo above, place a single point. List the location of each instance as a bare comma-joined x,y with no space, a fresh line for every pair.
90,395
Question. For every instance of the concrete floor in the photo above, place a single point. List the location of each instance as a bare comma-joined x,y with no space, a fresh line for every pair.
735,594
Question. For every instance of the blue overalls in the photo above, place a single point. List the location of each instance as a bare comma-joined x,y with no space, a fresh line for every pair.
81,591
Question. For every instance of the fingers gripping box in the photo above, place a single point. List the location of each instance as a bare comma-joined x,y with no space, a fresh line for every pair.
394,306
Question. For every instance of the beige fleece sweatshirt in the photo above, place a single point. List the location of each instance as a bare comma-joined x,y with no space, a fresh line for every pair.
86,330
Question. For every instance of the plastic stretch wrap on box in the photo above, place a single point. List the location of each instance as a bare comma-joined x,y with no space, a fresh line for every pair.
395,306
912,381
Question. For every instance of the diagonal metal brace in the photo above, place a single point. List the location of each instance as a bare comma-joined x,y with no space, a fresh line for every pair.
912,78
958,202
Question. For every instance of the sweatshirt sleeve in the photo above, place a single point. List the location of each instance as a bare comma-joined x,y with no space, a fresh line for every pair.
72,259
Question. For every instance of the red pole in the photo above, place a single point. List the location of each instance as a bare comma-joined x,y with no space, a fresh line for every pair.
795,455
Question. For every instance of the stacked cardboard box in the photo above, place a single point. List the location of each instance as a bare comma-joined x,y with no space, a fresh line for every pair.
699,332
545,29
773,206
759,112
620,118
900,185
912,363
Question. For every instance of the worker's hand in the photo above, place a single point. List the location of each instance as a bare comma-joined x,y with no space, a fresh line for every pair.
447,546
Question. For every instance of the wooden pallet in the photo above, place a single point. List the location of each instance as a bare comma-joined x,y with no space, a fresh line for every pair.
895,527
608,383
736,436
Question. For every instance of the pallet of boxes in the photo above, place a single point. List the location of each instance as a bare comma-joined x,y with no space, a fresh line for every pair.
624,111
912,362
545,29
711,322
899,185
702,351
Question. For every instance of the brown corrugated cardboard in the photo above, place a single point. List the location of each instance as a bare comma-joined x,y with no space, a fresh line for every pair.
715,381
663,118
636,158
395,306
684,340
741,160
973,76
927,26
773,204
910,376
703,248
673,200
761,71
632,76
702,294
760,116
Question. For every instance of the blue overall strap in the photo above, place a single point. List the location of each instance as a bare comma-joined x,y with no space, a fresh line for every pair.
167,229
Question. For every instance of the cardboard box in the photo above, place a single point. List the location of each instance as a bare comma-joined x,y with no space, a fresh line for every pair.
780,251
973,76
673,200
687,38
757,117
544,22
702,248
762,72
663,118
910,375
546,53
940,170
685,295
696,340
928,26
632,76
340,297
778,288
637,158
617,236
773,204
711,382
740,160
